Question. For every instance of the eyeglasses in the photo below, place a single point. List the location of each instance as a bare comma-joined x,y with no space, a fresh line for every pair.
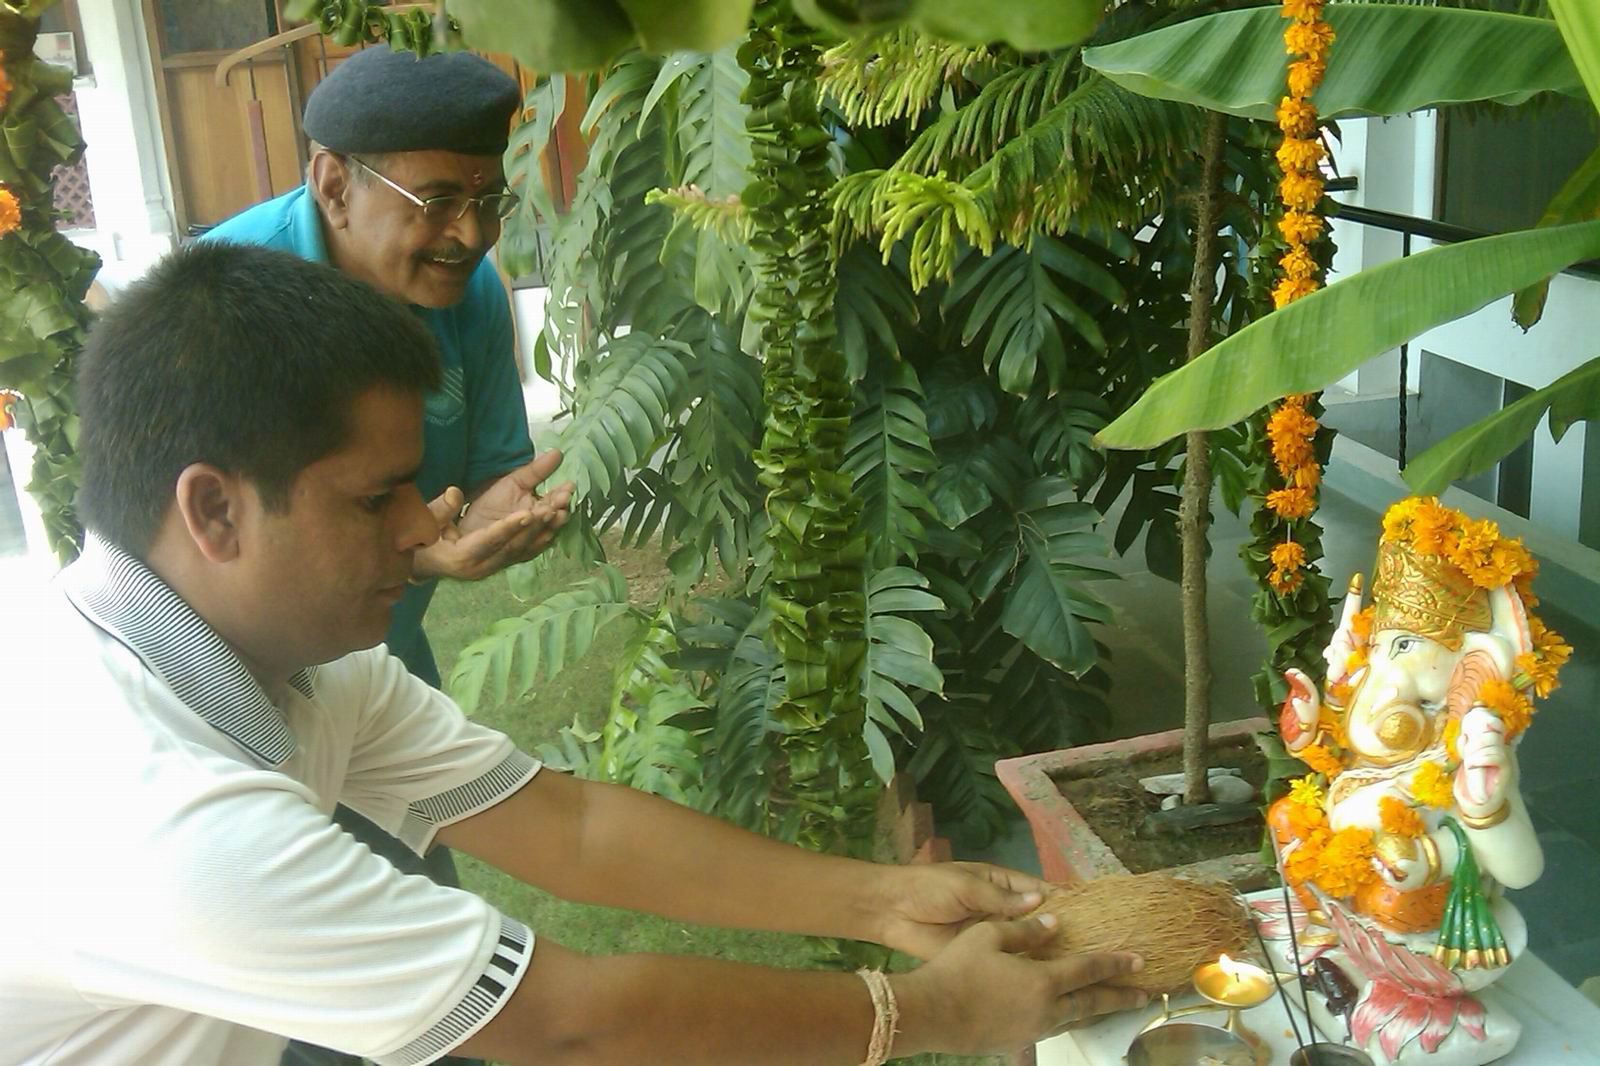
451,206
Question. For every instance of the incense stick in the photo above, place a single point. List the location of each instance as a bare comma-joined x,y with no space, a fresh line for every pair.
1288,1008
1294,936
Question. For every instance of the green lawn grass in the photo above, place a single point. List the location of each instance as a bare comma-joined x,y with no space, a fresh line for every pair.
459,614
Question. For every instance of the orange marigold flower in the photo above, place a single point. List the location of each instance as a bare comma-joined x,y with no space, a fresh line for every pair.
7,398
1307,475
1298,263
1345,864
1290,430
1296,153
1287,560
1303,191
1304,77
1303,10
1300,864
1473,554
1289,556
1290,504
1435,529
10,212
1398,518
1321,760
1309,39
1296,118
1543,664
1300,227
1289,290
1399,817
1431,785
1524,585
1514,708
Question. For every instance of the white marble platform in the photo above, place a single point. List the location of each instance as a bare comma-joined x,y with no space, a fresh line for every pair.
1560,1026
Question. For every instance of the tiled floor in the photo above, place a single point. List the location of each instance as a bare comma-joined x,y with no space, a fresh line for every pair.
1560,757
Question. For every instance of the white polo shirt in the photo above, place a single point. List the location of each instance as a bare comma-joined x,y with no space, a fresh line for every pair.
175,892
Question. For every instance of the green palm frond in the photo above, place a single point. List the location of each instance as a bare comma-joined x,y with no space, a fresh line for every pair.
507,661
1006,106
881,79
1036,310
634,390
1102,158
899,657
709,164
1048,607
873,307
887,456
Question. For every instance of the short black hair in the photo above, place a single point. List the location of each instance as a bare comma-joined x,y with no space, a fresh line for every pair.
239,356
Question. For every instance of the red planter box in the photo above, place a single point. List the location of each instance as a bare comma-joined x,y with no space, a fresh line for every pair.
1070,851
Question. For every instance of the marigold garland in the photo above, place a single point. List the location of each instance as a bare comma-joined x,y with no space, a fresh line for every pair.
1292,429
1489,561
1339,863
1287,559
10,212
1321,760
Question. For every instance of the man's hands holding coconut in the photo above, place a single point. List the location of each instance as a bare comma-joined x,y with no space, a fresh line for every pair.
983,990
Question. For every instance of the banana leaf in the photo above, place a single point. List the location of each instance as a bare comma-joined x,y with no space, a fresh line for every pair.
1573,397
1320,338
1576,201
1388,60
1579,21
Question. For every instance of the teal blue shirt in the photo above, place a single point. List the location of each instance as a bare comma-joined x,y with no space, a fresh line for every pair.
475,427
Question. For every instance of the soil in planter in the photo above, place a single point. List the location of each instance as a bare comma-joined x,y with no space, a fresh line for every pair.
1110,798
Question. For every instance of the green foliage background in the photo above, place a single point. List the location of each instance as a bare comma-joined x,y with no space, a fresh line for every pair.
43,276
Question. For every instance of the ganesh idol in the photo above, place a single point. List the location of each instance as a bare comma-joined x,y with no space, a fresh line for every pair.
1411,821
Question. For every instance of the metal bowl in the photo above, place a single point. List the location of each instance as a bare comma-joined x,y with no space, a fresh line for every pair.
1329,1055
1183,1043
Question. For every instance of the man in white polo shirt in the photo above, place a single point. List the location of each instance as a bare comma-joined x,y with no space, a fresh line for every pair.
185,709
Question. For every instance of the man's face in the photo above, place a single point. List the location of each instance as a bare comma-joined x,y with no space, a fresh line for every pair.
392,244
328,572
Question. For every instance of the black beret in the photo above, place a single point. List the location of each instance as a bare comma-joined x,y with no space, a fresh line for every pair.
380,100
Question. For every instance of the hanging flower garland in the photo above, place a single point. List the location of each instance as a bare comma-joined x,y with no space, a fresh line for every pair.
1290,445
1292,428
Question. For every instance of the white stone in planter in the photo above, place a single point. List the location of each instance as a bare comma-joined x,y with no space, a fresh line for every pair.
1172,784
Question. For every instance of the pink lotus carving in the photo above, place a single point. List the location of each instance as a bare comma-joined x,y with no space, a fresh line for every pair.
1410,997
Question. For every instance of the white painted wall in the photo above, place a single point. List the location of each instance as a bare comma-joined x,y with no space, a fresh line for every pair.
126,161
1394,160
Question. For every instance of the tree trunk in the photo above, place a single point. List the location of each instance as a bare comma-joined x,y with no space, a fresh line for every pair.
1194,510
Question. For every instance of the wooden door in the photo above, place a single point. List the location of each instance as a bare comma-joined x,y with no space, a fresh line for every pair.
232,146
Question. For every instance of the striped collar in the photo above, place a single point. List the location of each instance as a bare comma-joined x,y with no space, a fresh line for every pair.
125,598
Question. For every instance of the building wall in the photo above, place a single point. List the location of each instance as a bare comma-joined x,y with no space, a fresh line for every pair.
1469,367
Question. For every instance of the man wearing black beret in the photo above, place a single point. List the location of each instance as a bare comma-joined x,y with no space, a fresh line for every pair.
405,190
